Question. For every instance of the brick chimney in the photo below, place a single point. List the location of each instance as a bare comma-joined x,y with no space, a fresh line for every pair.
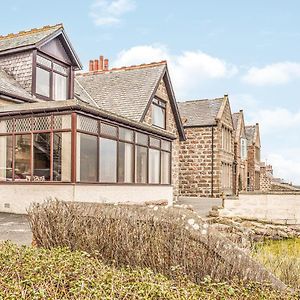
106,64
99,65
96,65
91,66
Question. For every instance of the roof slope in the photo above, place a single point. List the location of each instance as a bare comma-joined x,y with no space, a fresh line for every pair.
27,38
10,87
200,112
250,134
235,119
125,91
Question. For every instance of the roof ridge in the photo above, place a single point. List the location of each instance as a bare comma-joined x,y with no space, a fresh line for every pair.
124,68
199,100
30,31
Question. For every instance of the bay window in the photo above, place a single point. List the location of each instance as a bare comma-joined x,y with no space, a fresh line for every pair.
52,79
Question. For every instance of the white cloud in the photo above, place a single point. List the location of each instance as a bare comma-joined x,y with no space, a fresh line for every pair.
109,12
189,69
274,74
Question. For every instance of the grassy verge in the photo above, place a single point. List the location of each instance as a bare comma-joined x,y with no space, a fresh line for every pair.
36,273
282,258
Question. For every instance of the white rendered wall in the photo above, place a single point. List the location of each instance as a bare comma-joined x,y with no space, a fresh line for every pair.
16,198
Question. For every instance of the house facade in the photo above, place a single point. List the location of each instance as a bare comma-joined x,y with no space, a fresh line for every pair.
207,154
240,169
107,135
254,161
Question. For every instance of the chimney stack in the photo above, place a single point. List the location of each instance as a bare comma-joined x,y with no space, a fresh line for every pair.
96,65
105,64
91,66
101,63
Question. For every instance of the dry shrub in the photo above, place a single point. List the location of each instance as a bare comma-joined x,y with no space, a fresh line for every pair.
168,240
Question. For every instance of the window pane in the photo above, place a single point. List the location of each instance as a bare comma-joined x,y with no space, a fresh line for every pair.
108,130
125,163
165,168
165,145
141,161
158,116
22,158
154,165
23,125
42,82
125,134
154,142
62,156
59,68
42,123
6,148
87,163
43,61
108,160
59,87
87,124
62,122
41,157
141,138
6,126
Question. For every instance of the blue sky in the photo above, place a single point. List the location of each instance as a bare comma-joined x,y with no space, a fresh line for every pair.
248,49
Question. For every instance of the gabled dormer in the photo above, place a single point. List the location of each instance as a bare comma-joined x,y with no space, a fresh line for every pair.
42,61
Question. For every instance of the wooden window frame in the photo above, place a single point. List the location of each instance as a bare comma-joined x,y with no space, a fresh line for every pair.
163,105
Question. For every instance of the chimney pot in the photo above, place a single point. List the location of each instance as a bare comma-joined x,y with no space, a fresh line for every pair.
105,64
101,60
91,66
96,65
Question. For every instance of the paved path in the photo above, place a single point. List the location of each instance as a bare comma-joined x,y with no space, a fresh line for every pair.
15,228
201,205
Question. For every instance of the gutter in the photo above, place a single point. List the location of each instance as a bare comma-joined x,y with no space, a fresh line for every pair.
14,97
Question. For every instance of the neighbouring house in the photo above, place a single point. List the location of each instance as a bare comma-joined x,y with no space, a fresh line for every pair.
240,168
207,154
254,148
99,136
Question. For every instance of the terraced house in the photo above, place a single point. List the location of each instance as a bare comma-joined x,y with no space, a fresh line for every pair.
207,154
240,169
100,136
254,162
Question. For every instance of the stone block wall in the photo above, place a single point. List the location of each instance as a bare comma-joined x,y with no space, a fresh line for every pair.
19,65
265,180
253,170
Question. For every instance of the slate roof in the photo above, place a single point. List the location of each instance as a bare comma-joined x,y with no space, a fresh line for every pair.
10,87
26,38
125,91
250,134
235,119
200,112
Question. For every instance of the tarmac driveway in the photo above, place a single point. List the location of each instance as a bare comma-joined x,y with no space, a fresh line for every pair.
15,228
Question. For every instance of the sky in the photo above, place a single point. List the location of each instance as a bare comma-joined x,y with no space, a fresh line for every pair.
249,50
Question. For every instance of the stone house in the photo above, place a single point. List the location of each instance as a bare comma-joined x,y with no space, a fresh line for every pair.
254,162
240,168
207,154
106,135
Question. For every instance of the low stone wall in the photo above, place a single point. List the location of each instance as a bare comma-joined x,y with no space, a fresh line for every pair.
16,198
280,208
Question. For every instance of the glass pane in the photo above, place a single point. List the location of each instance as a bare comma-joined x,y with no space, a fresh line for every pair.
165,167
62,156
125,134
59,68
41,157
141,138
6,126
125,163
108,130
62,122
87,124
42,123
23,125
154,142
59,87
43,61
6,148
141,161
165,145
158,116
154,165
42,82
108,160
87,158
22,158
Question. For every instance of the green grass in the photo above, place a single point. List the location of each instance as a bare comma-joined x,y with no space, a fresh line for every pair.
36,273
282,258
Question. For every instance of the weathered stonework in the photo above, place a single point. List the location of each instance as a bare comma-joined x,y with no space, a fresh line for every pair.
19,65
172,128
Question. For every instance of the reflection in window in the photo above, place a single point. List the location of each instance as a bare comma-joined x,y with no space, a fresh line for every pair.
165,168
125,163
41,157
6,148
108,160
141,161
87,158
62,156
154,170
22,158
59,87
42,82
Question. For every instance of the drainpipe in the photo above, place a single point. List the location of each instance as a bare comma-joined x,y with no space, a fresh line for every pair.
212,161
